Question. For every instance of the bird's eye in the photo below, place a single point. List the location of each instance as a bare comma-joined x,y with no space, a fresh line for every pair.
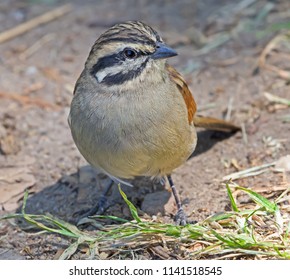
130,53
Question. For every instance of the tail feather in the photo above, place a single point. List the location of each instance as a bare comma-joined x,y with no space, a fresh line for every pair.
215,124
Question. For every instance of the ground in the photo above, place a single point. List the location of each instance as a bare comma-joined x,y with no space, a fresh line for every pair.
219,46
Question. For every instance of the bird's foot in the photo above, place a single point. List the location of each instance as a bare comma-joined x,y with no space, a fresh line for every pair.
98,209
180,217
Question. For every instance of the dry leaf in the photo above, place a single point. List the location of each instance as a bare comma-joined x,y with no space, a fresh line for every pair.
13,182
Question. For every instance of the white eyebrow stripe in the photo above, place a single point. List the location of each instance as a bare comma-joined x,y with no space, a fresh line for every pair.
123,68
109,71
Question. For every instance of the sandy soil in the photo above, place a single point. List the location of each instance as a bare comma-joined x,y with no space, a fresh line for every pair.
38,72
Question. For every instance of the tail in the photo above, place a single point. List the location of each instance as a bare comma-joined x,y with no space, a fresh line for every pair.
215,124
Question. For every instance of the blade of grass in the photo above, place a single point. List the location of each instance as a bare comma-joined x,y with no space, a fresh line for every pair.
219,217
253,171
173,231
260,200
232,200
276,99
33,221
132,208
113,218
69,251
279,220
58,226
215,241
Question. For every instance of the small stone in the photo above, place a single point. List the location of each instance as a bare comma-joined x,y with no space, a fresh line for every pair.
9,145
283,164
155,202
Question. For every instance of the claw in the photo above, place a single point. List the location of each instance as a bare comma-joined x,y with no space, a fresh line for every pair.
100,207
180,217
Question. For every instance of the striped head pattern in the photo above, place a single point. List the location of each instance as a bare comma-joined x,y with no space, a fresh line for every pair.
124,51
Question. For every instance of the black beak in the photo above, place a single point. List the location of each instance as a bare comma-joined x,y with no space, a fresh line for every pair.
163,51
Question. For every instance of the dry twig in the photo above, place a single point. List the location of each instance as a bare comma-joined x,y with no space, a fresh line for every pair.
262,63
28,25
37,45
253,171
276,99
26,100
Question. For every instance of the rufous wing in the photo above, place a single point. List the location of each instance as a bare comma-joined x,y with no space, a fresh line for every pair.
199,121
184,90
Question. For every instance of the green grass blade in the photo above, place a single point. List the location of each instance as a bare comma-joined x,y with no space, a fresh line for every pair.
259,199
224,239
11,216
25,197
173,231
279,26
132,208
232,200
114,218
219,217
31,219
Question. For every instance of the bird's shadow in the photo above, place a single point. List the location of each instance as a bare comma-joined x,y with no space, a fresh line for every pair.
207,139
81,190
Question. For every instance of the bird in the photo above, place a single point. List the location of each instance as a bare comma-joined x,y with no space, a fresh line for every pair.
132,114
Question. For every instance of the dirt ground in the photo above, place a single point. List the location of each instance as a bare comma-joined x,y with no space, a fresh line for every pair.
219,45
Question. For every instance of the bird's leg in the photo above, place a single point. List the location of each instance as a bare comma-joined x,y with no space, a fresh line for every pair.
180,217
100,207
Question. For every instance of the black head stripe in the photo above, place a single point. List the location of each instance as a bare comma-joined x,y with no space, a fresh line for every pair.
121,77
133,34
107,61
111,60
129,32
